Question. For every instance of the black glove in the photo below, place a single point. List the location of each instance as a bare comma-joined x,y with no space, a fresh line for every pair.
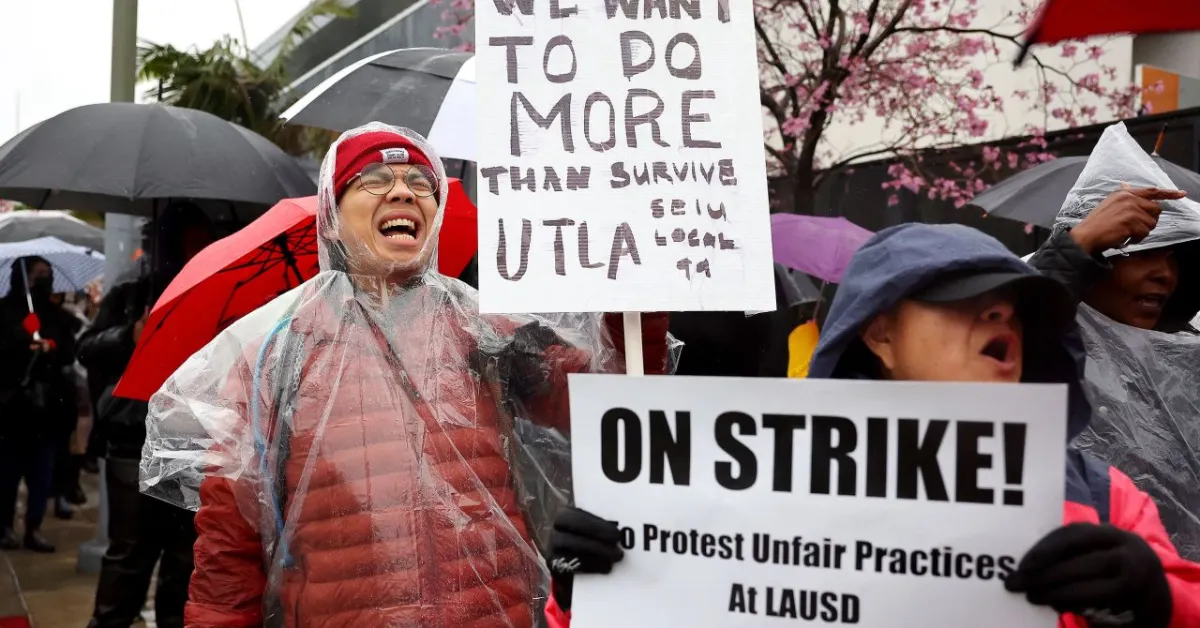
580,542
1104,574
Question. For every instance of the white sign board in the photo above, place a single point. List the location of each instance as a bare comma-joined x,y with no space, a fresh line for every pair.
621,163
877,504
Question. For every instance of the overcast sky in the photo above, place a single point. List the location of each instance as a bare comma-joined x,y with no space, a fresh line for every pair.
55,55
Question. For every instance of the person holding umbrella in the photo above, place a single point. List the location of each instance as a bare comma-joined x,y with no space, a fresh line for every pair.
1127,245
367,448
143,532
37,402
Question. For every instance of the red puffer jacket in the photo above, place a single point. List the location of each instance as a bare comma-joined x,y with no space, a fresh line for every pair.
399,505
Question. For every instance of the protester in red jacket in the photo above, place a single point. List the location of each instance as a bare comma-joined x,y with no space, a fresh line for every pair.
948,303
371,446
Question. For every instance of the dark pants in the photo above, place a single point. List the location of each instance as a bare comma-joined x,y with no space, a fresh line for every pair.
66,469
32,460
142,531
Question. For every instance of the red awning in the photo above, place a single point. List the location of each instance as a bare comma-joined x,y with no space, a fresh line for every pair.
1077,19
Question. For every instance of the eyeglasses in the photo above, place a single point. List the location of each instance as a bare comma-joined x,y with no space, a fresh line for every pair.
379,179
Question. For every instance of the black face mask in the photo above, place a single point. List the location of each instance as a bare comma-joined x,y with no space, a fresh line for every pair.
42,288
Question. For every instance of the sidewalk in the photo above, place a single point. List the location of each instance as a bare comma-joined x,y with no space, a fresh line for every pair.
13,613
56,595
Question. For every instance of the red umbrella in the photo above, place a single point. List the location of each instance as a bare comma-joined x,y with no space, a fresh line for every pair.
1077,19
238,274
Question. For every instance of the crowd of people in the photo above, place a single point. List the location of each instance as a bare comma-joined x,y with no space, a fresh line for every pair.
61,364
369,449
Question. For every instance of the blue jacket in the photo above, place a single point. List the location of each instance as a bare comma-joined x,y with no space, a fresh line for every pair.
898,261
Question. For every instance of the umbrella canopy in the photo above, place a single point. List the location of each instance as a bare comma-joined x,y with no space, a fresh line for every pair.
815,245
121,157
794,287
74,266
31,224
429,90
240,273
1060,20
1034,196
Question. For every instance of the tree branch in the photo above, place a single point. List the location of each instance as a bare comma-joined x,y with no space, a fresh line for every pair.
812,21
866,34
783,158
888,30
776,62
834,11
959,31
775,108
846,161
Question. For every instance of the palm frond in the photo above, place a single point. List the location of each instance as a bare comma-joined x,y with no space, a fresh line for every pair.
224,81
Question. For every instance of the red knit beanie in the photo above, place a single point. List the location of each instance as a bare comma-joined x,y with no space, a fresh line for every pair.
384,147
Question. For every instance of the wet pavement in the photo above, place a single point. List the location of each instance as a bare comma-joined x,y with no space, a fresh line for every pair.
57,596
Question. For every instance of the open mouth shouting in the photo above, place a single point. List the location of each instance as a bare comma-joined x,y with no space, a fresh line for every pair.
1002,351
400,229
1151,304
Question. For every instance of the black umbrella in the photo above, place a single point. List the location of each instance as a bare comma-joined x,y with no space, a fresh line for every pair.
1035,195
20,226
429,90
122,157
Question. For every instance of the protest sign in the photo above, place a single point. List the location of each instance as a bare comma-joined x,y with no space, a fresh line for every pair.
876,504
620,156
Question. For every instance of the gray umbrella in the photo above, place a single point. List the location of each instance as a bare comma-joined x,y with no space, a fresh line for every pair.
20,226
429,90
1035,195
794,287
123,157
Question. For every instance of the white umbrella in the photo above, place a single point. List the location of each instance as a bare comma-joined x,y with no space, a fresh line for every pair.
74,266
29,224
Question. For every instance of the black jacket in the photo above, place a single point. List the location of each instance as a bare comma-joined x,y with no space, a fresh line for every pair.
1143,386
105,349
37,389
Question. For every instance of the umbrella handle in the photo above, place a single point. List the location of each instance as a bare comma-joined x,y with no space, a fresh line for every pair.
28,298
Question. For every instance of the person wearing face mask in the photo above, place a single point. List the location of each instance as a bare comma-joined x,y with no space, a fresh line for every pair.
1127,246
368,449
36,396
946,303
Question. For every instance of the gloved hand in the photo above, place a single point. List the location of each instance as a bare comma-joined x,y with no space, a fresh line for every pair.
580,542
1101,573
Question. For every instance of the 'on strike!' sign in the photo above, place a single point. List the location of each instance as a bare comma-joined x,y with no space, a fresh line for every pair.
877,504
620,156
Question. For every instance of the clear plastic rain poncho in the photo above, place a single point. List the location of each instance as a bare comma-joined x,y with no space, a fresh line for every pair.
1145,385
398,454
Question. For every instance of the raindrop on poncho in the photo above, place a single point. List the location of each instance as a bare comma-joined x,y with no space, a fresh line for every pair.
373,453
1145,385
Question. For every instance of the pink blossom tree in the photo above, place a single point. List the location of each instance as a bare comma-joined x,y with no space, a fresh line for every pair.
918,66
456,18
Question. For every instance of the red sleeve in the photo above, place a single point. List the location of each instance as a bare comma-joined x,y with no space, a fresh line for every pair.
654,339
555,616
227,585
1133,510
554,408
